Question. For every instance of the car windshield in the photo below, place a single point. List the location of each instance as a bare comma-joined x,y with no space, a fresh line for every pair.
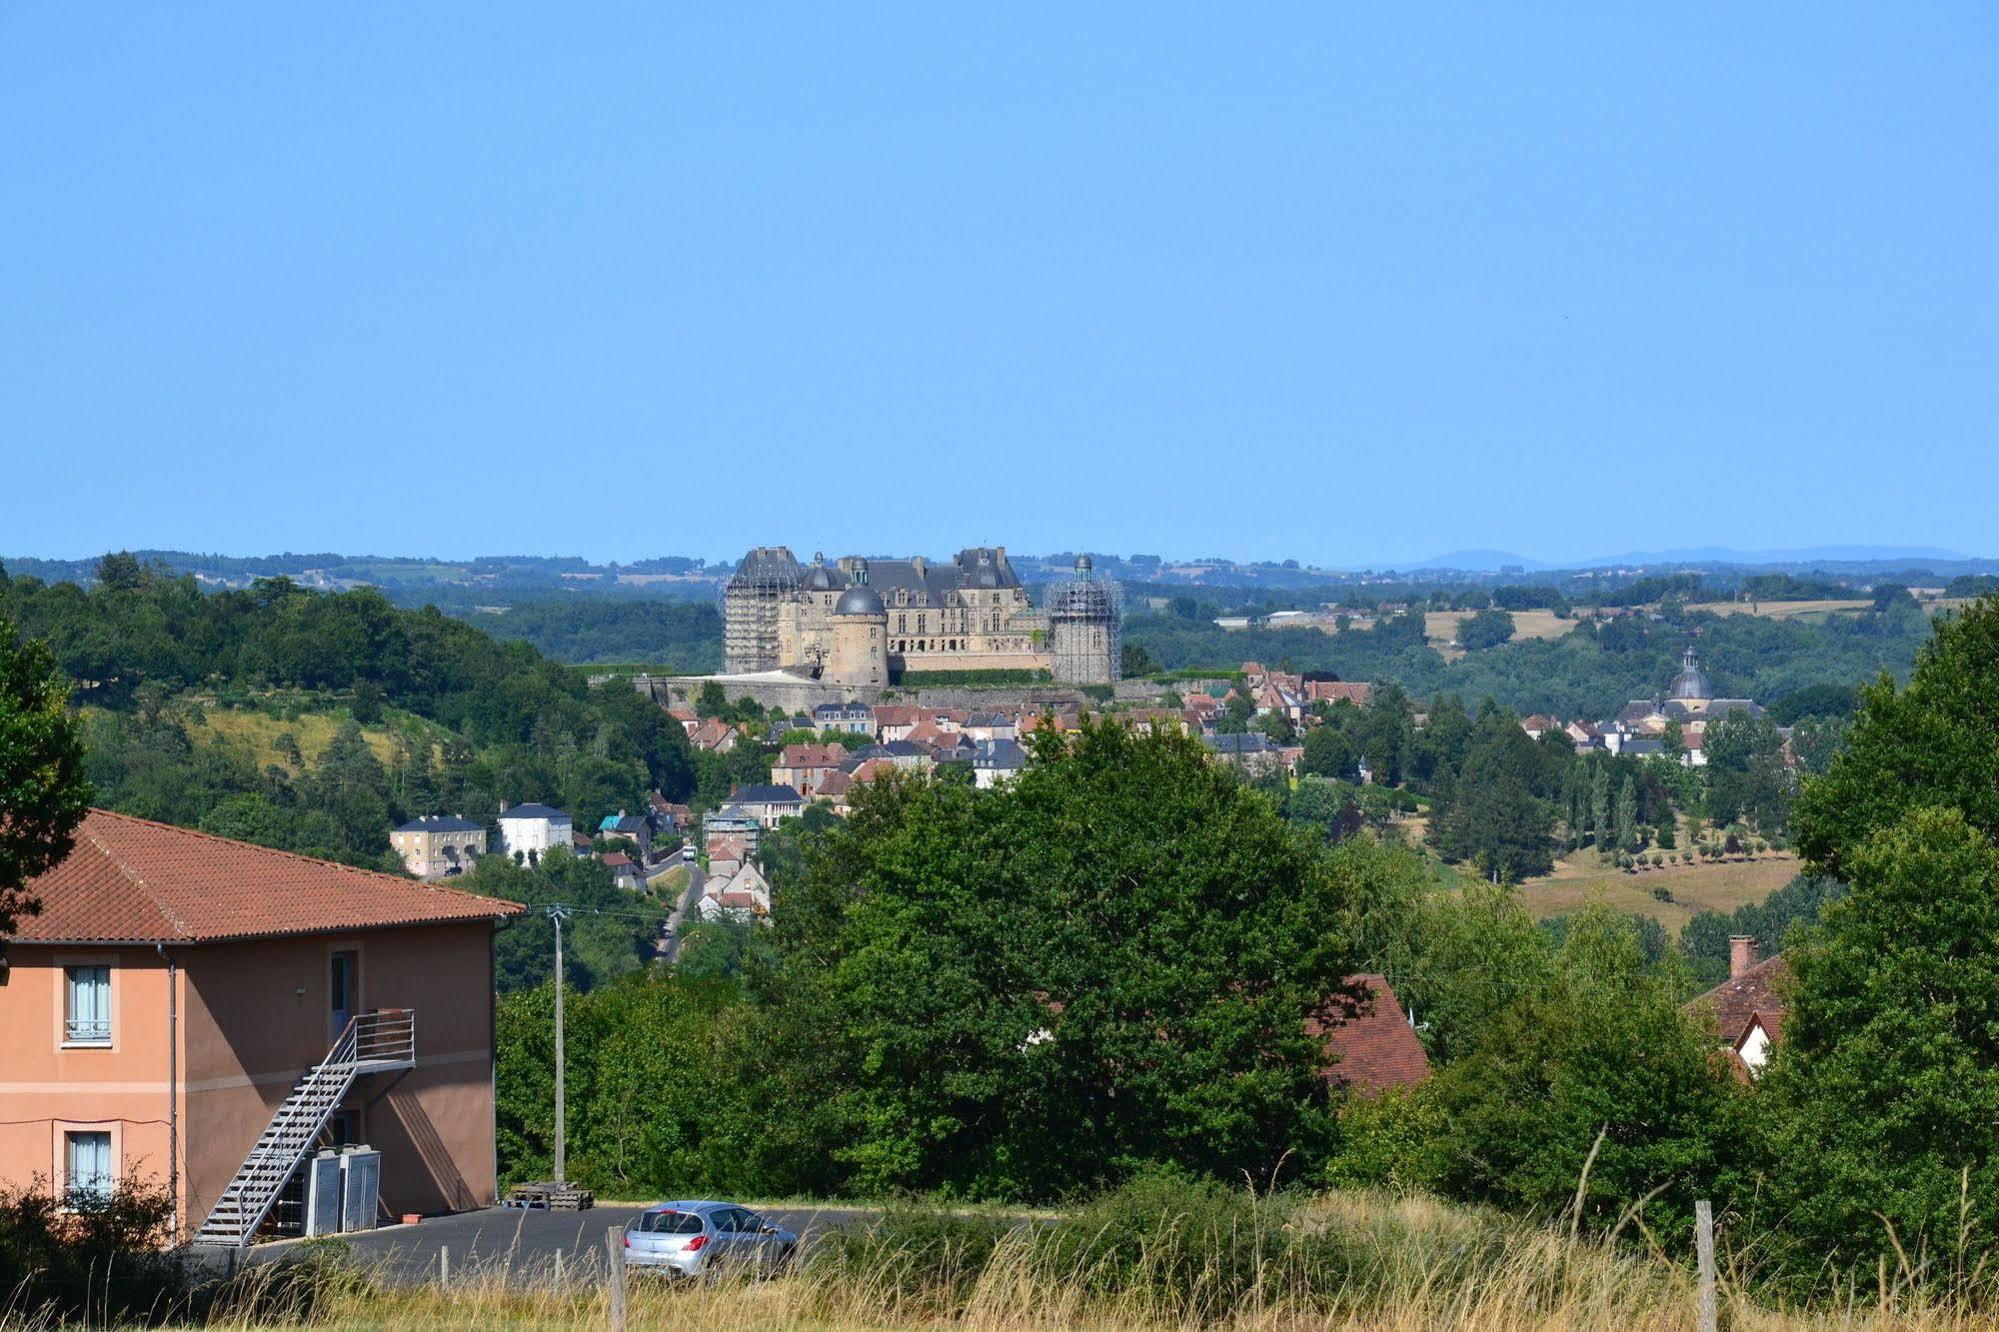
670,1223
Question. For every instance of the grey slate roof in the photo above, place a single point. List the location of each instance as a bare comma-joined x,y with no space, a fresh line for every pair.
534,811
1000,755
1250,742
440,823
763,794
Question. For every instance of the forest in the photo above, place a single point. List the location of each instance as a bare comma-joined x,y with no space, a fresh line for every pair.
417,712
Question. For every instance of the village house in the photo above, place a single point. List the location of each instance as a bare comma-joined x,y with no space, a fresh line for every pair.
180,994
744,895
895,721
714,737
858,718
767,803
437,846
1357,692
529,831
1746,1011
634,828
997,762
806,766
625,872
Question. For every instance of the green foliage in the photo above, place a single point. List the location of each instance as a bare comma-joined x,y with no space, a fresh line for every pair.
470,720
610,934
971,679
1035,990
1602,1046
96,1264
1704,939
43,791
1487,629
1592,671
682,637
1933,743
1884,1089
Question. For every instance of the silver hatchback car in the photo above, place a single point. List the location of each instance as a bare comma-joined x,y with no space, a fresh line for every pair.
698,1238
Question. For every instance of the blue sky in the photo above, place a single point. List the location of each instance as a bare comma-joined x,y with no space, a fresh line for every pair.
1351,284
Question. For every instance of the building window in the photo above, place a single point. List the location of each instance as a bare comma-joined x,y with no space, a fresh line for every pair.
87,1177
87,1012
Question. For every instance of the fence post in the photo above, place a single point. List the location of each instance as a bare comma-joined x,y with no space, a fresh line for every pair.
1704,1255
444,1265
614,1243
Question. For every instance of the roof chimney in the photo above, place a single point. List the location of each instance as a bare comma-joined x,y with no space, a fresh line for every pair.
1741,954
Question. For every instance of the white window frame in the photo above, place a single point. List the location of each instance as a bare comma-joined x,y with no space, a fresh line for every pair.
104,1180
107,1000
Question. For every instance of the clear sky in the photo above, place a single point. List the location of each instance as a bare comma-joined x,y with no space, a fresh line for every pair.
1354,284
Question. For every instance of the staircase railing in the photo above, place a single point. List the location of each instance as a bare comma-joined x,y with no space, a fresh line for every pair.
382,1039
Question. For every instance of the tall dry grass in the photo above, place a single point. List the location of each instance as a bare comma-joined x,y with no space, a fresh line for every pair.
1347,1261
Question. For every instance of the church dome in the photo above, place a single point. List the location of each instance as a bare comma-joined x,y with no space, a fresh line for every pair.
1691,682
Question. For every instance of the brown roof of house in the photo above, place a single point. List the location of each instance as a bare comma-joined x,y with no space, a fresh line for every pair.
812,756
1376,1048
1736,1000
1358,692
132,880
835,783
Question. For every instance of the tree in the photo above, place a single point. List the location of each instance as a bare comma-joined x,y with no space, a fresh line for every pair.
1599,805
1626,818
43,791
1885,1086
711,700
1487,629
1602,1047
1037,990
1135,661
1934,742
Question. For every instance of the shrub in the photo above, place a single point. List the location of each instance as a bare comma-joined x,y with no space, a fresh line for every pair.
101,1263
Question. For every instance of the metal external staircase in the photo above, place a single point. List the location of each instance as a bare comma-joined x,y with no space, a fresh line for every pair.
376,1042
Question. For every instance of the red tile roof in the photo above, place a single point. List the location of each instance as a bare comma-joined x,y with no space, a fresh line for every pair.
1375,1045
135,881
1736,1000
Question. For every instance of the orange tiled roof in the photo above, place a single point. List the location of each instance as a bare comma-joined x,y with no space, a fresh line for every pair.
1732,1004
132,880
1377,1047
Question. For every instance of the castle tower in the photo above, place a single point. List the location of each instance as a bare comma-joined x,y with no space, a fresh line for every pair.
765,579
1083,627
860,634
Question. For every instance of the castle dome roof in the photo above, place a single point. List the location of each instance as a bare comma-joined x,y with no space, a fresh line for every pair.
822,577
1691,682
860,599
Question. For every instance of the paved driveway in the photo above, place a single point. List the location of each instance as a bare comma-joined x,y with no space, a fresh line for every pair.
524,1240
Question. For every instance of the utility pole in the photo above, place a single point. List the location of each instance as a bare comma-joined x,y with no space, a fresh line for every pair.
558,914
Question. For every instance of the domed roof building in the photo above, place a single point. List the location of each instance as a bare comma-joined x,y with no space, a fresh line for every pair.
1691,682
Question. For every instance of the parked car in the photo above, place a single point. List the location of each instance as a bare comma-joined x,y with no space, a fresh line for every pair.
696,1238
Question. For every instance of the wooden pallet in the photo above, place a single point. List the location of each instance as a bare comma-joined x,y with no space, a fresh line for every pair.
549,1197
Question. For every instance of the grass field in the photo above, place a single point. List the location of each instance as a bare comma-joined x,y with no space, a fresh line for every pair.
1780,610
313,731
1695,888
1440,627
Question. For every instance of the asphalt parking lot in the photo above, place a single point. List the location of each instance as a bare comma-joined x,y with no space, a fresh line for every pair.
523,1240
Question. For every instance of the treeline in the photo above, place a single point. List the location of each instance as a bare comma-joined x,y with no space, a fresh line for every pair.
1590,672
680,636
434,716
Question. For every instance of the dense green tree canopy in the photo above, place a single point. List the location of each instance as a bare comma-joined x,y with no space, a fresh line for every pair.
43,793
1034,990
1933,743
1885,1085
